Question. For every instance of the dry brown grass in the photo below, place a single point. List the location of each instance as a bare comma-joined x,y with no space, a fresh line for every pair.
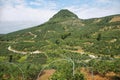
46,74
88,75
97,20
115,19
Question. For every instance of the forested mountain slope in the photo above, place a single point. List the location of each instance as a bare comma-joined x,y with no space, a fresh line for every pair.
64,37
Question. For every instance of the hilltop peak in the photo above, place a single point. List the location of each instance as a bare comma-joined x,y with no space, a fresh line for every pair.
64,14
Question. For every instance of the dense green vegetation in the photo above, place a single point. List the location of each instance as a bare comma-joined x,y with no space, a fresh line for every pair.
66,44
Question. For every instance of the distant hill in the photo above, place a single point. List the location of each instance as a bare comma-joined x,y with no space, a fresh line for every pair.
1,34
63,15
67,29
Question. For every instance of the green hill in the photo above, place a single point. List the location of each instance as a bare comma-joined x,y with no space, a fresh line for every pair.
68,29
63,36
63,15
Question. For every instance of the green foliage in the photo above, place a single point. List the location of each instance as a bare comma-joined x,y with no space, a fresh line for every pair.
99,37
63,15
10,59
65,72
23,58
63,36
78,76
100,67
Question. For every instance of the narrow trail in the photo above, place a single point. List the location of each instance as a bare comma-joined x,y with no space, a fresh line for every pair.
29,41
34,36
81,51
23,52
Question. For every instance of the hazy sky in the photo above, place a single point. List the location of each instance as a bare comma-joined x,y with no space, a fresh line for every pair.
20,14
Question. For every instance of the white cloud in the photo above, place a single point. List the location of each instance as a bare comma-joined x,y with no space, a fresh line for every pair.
86,11
19,15
51,5
103,0
35,3
96,12
12,2
23,13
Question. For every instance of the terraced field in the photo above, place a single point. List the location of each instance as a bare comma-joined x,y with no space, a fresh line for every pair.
64,48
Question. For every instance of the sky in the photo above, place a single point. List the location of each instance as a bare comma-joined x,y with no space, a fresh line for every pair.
21,14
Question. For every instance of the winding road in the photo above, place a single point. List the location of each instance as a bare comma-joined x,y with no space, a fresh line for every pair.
23,52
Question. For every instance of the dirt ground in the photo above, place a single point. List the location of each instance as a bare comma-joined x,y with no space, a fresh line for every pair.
89,76
116,18
46,74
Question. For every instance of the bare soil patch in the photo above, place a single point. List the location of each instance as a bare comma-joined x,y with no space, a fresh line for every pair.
114,19
88,75
46,74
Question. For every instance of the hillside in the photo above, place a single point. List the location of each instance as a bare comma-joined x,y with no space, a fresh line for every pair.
64,38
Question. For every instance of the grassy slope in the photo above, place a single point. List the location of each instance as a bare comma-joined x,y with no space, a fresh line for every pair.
70,31
62,36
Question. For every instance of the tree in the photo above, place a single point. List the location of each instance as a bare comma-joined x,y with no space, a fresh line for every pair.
57,42
10,58
99,37
78,76
65,35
